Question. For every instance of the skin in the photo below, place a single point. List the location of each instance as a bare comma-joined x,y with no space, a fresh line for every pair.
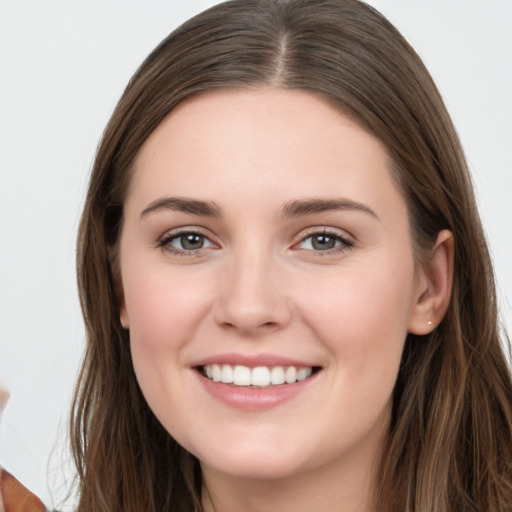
4,397
260,286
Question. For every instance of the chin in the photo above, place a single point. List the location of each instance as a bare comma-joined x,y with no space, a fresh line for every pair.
248,469
257,461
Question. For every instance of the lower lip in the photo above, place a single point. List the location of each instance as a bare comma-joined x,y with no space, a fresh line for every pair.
254,399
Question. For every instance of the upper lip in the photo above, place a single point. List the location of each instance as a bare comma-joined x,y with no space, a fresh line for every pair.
253,360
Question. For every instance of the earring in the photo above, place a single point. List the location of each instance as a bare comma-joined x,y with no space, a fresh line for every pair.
429,322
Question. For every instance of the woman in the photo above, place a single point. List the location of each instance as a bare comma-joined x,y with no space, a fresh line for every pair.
287,293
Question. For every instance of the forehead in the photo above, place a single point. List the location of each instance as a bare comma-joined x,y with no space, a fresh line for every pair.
261,142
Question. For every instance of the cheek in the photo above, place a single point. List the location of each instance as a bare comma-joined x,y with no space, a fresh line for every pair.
361,313
163,308
161,305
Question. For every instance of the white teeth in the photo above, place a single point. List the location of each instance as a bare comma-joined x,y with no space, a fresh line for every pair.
290,375
303,373
260,376
216,372
242,376
227,374
277,375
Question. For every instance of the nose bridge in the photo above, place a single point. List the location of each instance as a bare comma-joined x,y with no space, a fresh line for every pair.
251,297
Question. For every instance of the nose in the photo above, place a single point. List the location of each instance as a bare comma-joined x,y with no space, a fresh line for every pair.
251,298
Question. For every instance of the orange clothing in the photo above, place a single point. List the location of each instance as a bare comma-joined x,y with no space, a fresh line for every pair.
15,497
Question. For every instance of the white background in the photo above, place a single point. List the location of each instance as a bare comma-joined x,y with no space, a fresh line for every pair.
63,65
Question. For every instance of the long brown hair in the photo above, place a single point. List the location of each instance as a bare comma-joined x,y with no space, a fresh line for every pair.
450,439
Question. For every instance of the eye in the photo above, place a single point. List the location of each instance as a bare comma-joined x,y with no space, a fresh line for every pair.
185,242
324,242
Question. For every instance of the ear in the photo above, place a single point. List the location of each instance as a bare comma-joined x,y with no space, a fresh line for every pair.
123,313
113,257
434,287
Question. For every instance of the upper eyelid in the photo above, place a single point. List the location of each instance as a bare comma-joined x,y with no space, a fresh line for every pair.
171,233
327,230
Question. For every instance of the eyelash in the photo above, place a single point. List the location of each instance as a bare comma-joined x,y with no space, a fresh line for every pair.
345,243
165,242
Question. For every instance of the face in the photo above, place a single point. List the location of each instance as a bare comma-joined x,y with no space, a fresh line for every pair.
268,282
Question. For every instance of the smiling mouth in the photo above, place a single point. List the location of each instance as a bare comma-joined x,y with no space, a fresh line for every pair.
257,377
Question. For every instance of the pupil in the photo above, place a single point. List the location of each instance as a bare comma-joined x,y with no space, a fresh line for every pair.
323,242
192,241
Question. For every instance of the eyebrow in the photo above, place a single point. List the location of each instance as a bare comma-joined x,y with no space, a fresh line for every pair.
296,208
311,206
194,206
